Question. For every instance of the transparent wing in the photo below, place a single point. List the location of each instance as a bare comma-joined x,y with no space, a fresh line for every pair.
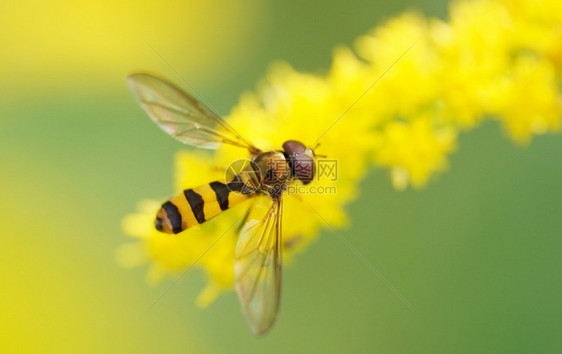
180,115
257,269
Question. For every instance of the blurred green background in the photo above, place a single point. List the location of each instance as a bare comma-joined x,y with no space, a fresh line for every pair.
477,252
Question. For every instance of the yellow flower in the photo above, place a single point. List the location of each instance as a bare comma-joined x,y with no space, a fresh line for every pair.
494,59
266,119
414,151
532,104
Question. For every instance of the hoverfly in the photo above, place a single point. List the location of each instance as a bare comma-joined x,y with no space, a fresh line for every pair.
257,265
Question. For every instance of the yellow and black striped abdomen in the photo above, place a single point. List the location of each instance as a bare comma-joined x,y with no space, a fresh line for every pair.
195,206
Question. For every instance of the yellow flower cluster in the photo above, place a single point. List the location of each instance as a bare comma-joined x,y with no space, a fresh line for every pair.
491,60
496,59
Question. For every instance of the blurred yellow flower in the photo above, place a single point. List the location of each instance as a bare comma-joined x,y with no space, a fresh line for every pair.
62,44
493,59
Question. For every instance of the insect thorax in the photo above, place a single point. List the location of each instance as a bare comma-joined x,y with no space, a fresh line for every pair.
273,167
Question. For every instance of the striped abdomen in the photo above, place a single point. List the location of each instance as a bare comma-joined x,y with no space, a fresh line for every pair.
195,206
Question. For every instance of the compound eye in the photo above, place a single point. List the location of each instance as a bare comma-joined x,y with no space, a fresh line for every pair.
303,168
293,147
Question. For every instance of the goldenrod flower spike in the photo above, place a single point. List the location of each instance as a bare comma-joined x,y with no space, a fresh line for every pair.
496,59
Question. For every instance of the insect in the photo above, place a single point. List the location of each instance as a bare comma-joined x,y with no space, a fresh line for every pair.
258,260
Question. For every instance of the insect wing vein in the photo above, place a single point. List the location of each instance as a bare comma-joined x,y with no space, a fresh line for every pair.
257,269
181,115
